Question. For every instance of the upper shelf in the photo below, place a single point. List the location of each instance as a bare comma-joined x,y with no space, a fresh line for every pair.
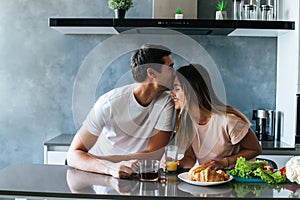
186,26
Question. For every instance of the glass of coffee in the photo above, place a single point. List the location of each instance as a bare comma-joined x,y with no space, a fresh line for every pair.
148,170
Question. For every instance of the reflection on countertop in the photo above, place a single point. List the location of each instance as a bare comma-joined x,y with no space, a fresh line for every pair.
84,182
28,180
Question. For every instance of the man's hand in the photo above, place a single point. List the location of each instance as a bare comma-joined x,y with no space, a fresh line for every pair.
123,169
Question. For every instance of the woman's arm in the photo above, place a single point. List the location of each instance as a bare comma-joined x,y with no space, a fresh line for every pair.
250,148
189,159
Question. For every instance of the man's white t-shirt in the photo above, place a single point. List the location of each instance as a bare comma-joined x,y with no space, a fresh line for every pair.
122,125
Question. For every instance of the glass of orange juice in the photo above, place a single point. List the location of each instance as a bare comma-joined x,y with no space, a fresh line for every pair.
171,158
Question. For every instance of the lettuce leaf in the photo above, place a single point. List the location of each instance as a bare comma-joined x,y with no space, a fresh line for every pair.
247,169
270,177
244,168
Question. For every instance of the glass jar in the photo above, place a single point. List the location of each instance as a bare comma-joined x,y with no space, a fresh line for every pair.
267,12
249,12
238,9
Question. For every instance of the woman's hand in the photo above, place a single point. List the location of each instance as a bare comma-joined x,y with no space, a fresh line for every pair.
214,164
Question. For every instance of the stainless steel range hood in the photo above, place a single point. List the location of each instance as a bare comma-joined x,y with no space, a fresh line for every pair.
186,26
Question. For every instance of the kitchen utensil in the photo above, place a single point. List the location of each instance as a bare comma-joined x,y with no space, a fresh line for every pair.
265,124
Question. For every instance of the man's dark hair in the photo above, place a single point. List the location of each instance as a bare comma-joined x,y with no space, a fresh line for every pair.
149,55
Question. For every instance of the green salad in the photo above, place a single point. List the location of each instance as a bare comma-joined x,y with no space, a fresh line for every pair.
256,169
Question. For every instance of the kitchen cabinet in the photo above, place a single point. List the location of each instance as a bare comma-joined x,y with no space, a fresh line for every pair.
55,149
288,73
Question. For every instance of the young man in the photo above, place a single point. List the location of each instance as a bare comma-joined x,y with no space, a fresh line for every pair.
131,122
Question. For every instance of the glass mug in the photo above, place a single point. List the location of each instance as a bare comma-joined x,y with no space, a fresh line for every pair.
148,170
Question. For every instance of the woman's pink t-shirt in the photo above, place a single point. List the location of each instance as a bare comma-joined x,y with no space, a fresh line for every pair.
219,138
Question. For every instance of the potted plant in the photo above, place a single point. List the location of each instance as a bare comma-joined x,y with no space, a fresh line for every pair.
221,13
178,14
120,7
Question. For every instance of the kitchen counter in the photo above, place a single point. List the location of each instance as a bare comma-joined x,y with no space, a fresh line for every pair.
60,140
60,181
269,147
55,150
278,148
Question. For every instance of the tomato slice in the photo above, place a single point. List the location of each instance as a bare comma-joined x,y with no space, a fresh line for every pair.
283,171
268,167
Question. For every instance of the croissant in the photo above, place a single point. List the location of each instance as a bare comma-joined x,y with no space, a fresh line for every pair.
201,174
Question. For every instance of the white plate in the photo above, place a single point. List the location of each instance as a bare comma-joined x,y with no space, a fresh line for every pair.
184,177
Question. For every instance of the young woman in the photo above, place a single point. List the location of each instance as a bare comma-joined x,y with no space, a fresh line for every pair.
207,130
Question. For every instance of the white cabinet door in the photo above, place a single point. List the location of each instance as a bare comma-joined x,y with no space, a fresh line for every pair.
288,73
55,155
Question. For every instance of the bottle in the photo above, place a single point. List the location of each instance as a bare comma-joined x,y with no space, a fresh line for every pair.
237,9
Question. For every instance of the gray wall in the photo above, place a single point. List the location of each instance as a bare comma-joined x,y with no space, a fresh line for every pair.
39,66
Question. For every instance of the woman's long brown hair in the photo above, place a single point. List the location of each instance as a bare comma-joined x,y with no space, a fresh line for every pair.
197,87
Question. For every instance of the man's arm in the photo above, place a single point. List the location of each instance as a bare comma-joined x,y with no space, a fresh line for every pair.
155,148
154,151
78,157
